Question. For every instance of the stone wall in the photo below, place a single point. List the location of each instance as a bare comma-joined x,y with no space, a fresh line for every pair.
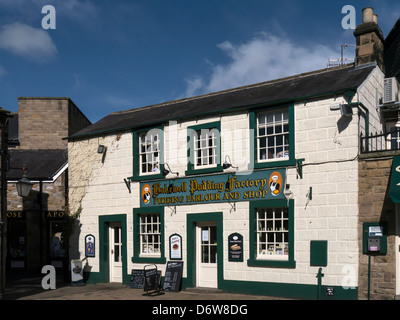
54,195
376,206
44,122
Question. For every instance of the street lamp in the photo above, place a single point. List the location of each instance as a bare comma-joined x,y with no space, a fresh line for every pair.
24,185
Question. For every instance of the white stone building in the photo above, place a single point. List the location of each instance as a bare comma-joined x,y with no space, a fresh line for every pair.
236,231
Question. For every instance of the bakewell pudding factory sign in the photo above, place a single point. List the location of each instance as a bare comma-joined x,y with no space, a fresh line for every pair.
259,185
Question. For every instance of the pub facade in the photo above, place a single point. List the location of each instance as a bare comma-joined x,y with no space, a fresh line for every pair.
260,189
255,189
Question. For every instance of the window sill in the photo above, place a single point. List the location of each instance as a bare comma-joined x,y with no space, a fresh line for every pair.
146,177
272,263
190,172
149,259
273,164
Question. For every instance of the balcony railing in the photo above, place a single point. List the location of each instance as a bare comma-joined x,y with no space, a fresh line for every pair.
383,141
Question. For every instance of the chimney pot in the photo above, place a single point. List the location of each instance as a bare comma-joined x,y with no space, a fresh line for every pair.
370,40
368,15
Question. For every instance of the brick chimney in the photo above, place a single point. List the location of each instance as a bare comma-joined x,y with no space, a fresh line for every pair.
369,40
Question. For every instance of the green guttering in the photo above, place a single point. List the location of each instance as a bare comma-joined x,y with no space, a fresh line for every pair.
203,114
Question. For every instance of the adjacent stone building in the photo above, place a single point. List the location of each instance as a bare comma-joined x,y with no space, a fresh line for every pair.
39,225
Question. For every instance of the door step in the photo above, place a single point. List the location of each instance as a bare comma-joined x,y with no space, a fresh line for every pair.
204,290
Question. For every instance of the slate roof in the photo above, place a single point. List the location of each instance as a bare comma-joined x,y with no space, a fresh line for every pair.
40,164
326,82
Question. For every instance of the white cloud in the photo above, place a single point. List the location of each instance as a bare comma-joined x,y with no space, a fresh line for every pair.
26,41
265,57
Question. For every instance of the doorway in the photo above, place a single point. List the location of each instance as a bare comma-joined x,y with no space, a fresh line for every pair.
207,254
205,250
115,253
112,249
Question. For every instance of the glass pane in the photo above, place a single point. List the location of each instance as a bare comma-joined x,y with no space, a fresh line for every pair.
17,239
213,254
204,253
213,235
117,257
117,232
56,239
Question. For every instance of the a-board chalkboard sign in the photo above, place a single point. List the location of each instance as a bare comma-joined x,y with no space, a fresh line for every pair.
137,278
152,278
173,276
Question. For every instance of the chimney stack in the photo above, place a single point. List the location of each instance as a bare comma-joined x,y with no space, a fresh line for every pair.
369,40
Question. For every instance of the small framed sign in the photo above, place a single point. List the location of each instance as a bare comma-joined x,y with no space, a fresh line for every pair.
89,245
235,245
175,247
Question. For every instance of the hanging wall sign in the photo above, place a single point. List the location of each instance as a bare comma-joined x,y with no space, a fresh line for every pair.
235,245
89,246
258,185
175,247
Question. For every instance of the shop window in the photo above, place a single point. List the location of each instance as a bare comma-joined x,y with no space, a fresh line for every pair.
57,245
273,137
204,148
272,233
16,243
395,138
148,235
148,154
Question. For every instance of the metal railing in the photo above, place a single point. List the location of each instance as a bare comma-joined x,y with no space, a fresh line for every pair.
383,141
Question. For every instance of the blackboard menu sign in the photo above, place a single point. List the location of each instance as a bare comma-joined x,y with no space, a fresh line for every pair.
235,245
137,278
173,276
151,279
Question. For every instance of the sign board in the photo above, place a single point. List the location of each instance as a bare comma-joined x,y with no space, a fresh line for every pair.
175,247
89,246
235,245
77,272
394,189
375,231
152,279
375,238
173,276
136,280
257,185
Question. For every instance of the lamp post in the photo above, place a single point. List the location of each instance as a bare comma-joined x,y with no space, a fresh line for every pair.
24,185
4,117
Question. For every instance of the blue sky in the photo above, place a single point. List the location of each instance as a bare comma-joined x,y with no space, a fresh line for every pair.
116,55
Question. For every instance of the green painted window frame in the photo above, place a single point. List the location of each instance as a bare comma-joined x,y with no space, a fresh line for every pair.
136,235
254,163
136,176
190,147
253,261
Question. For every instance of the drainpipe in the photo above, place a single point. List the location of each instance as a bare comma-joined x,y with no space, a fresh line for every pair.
319,276
369,277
